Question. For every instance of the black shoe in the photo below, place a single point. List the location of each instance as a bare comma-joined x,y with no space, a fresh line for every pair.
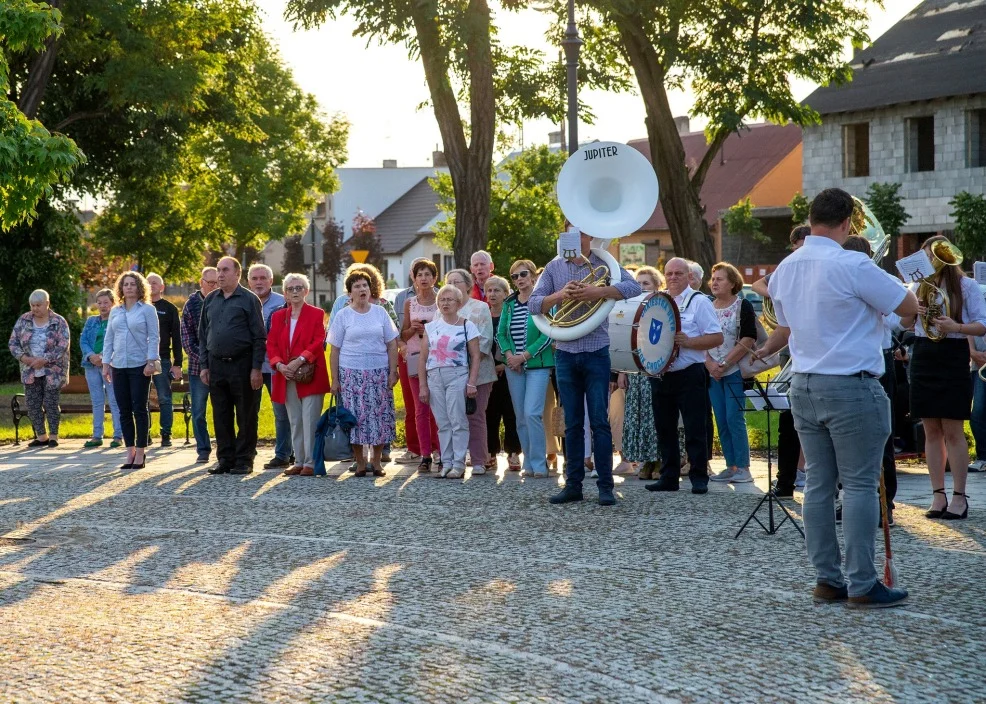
277,463
700,487
606,497
165,441
38,443
949,516
127,466
663,485
879,597
139,466
52,443
242,469
221,469
567,495
937,513
783,492
202,459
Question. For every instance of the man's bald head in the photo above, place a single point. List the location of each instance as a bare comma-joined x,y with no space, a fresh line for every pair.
676,272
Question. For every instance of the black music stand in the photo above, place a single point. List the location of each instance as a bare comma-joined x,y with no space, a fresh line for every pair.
770,498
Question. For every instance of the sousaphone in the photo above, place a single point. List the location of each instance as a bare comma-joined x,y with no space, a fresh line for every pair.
606,190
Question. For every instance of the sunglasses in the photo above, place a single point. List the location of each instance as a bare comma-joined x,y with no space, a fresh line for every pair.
294,289
522,274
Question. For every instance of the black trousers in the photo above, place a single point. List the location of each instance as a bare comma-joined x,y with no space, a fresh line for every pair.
500,408
685,392
131,388
889,383
788,450
229,389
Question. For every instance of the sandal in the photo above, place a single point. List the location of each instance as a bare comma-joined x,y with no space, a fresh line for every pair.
937,513
425,466
360,472
949,516
378,471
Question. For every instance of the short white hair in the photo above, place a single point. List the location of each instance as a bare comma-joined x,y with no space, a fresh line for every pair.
270,272
38,296
482,253
152,275
301,278
696,270
449,288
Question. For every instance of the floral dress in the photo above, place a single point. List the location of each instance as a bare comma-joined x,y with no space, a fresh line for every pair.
639,431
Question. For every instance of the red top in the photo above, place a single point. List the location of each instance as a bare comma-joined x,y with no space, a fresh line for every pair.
308,342
478,293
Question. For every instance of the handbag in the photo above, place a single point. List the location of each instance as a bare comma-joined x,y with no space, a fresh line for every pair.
412,364
305,373
470,400
336,440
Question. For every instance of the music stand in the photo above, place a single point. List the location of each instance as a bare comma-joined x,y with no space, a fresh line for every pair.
770,498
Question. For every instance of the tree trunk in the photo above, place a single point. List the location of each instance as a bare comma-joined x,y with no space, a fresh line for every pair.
679,195
470,165
39,74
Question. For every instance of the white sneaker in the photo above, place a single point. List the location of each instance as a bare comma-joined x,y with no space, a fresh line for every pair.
977,466
478,469
799,480
741,476
593,474
527,472
455,474
409,458
725,475
443,473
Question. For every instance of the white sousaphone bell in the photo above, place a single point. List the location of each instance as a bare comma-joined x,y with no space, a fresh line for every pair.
606,190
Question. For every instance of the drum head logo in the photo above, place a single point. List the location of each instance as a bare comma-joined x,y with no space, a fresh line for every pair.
654,333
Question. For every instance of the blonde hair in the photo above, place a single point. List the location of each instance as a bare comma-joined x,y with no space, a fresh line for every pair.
108,292
143,288
524,264
449,288
656,276
498,281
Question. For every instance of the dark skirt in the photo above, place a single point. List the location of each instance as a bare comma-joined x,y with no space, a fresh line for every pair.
941,386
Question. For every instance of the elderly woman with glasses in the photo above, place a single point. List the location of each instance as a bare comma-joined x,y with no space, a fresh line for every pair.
477,312
39,342
530,358
364,369
297,358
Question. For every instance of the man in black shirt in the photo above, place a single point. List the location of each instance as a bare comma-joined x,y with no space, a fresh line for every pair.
171,354
233,343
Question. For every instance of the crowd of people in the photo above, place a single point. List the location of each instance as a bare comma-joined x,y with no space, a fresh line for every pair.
480,378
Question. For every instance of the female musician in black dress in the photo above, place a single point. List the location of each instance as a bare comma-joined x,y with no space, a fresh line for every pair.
941,388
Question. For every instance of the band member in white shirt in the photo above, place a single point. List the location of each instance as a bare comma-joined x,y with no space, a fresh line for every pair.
830,305
683,388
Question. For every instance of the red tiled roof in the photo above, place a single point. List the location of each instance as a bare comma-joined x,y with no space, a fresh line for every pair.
746,159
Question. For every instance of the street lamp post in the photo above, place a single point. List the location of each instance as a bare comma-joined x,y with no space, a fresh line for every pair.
572,44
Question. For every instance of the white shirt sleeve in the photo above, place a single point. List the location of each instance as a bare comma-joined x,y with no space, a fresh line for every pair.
337,329
778,306
876,288
705,317
973,303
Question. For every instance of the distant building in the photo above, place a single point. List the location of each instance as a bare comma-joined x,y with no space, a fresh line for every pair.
914,113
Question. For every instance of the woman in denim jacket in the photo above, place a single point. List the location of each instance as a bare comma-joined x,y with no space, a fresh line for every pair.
100,390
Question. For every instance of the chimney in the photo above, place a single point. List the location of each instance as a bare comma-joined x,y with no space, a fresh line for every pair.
438,158
681,122
390,163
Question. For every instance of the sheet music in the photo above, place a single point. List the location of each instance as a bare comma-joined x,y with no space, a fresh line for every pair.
778,401
979,272
915,266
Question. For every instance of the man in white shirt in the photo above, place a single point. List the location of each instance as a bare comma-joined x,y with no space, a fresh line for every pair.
830,305
683,388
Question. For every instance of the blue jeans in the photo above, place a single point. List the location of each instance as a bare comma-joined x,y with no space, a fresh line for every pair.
527,390
282,426
583,383
200,396
843,423
977,422
162,382
100,392
728,401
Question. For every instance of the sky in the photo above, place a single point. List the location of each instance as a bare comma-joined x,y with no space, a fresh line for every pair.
380,90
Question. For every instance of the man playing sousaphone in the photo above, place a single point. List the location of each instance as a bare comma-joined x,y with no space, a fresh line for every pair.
582,367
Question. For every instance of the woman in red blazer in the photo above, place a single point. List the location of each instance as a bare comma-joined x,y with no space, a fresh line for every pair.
296,338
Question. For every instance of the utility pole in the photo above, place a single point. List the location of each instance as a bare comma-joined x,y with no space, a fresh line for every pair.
572,44
311,231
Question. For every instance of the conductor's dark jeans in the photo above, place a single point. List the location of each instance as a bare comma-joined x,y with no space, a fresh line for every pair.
682,391
230,392
889,383
788,450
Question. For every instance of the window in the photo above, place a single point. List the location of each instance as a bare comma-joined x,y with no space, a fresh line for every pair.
920,146
448,263
856,150
437,258
320,209
975,130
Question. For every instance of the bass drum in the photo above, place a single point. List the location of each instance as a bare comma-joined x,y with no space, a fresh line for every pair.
641,334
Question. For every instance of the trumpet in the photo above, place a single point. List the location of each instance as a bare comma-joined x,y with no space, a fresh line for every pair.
564,316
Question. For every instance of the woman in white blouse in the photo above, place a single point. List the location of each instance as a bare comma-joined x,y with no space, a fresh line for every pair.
940,385
131,356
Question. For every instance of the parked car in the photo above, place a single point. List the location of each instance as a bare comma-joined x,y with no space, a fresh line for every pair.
753,297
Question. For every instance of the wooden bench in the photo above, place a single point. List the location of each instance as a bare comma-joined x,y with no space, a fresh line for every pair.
78,385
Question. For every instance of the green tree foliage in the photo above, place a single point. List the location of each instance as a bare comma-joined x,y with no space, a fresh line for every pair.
474,81
969,213
738,58
524,215
294,256
32,159
885,201
364,237
47,253
740,221
332,252
800,206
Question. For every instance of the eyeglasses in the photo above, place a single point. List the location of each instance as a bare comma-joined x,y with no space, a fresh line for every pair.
522,274
294,289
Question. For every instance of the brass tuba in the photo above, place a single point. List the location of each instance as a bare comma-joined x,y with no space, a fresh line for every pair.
931,296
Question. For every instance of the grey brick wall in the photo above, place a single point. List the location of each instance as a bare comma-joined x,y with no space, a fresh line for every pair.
926,194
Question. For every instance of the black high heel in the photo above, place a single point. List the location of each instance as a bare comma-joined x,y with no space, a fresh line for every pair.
949,516
126,466
937,513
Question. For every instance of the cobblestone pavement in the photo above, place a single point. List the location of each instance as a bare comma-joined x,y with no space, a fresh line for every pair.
170,585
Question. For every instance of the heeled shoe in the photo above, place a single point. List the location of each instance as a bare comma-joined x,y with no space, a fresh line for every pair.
937,513
949,516
127,466
139,466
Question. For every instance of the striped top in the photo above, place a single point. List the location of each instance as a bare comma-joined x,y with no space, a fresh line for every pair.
518,325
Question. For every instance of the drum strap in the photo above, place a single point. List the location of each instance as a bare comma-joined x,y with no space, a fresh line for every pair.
694,293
